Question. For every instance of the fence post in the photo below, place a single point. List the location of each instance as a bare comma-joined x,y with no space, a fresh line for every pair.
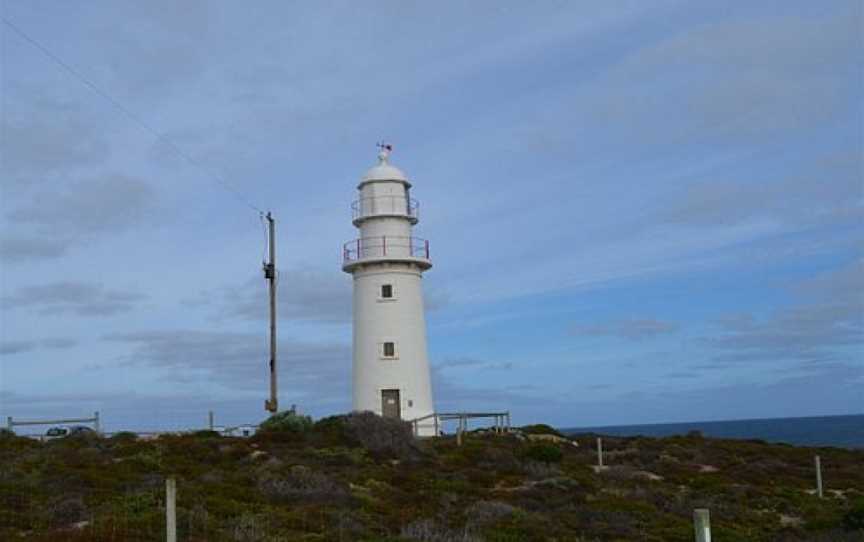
9,422
702,524
818,476
96,422
599,452
171,509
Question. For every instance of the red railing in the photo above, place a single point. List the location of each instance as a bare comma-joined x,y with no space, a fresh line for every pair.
385,205
385,246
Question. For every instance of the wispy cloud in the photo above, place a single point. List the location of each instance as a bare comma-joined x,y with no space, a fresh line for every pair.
26,248
631,329
17,347
79,298
318,372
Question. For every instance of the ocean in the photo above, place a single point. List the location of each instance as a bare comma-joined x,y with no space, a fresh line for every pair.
838,431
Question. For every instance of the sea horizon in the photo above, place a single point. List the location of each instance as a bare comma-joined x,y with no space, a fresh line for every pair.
842,431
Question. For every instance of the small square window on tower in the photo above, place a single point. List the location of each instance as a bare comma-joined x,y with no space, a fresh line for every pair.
389,350
386,291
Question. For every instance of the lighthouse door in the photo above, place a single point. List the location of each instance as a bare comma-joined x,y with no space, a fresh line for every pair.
390,404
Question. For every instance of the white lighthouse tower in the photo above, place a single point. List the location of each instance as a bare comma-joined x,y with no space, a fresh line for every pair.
391,369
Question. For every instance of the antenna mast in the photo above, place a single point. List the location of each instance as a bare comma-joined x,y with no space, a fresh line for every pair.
272,404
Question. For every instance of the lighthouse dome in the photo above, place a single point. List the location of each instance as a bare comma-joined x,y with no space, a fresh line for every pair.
384,171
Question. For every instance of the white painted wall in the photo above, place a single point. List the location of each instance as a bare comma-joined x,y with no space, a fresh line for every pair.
400,320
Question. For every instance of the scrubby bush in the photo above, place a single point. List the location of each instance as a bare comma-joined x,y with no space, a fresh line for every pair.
545,453
389,436
539,470
287,422
487,512
124,436
428,530
339,481
206,433
499,460
541,429
302,483
249,528
854,518
66,511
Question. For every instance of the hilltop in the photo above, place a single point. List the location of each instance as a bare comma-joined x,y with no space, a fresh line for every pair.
361,477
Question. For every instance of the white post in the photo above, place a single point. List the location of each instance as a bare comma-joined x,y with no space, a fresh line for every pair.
171,509
819,476
599,452
702,524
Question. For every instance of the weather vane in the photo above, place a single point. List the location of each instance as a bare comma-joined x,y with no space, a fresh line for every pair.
385,151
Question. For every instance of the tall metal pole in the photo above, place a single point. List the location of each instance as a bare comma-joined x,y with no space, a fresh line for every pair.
272,404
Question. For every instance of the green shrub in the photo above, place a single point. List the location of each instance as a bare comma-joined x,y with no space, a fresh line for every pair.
303,484
124,436
545,453
287,422
854,518
541,429
384,436
206,433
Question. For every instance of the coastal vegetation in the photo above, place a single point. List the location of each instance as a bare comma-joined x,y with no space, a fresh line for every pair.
362,477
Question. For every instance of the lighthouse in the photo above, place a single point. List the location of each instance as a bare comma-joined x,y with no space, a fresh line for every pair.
390,364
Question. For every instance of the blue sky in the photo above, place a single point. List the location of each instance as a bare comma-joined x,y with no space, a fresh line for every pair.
638,211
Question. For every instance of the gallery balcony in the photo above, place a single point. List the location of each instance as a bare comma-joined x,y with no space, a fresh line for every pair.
386,248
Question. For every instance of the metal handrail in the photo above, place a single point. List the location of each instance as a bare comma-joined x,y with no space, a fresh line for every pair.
11,423
385,205
501,421
384,246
